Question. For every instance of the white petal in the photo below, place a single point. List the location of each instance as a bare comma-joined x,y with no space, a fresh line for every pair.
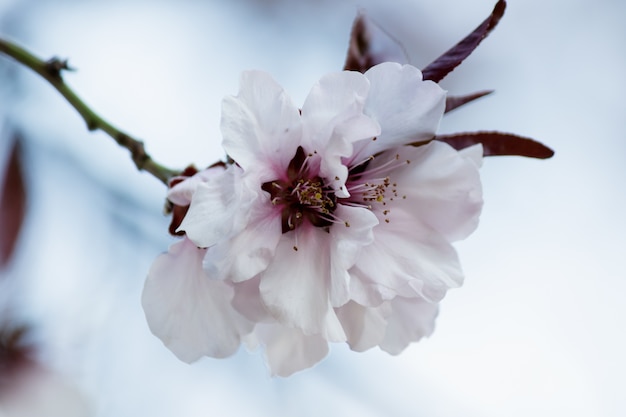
216,208
294,287
442,187
247,301
337,94
182,192
411,319
474,154
347,242
406,258
288,350
407,108
333,118
339,148
248,252
364,326
189,312
261,126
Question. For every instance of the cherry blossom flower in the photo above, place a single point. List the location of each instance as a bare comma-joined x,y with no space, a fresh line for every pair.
328,227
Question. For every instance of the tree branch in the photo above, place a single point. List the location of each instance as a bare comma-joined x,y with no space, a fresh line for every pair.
51,71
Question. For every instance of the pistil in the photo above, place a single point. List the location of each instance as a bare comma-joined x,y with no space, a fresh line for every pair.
302,195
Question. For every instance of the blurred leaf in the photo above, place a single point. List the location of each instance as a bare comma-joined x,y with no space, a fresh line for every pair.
498,144
370,45
447,62
15,351
453,102
12,203
358,47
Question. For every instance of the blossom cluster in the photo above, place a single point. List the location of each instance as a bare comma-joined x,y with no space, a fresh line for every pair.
332,222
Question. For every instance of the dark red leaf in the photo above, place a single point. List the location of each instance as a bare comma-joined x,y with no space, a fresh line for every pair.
370,45
16,352
357,58
447,62
452,102
498,144
178,214
12,204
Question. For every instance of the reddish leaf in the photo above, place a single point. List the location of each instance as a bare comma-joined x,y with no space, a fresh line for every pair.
357,58
16,352
498,144
370,45
12,204
452,102
447,62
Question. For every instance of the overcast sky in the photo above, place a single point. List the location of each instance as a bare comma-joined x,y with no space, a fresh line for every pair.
538,327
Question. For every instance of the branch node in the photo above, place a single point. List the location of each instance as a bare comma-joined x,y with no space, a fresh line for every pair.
55,65
136,148
92,125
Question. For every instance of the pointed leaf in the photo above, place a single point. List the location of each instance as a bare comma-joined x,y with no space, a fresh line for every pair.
447,62
358,47
453,102
370,45
12,204
14,345
498,144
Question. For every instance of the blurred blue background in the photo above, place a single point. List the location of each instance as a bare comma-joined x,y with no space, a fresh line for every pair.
538,327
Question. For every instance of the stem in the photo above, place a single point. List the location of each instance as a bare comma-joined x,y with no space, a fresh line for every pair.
51,71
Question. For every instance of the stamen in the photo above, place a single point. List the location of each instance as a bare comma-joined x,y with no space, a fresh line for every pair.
356,166
356,204
301,195
386,167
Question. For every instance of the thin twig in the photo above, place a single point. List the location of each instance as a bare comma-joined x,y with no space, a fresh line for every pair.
51,71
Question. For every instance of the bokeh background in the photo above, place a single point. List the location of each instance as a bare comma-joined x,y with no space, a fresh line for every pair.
538,327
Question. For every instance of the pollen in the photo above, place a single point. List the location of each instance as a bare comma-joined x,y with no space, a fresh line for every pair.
301,195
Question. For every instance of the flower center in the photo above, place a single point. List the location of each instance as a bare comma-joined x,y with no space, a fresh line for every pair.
302,195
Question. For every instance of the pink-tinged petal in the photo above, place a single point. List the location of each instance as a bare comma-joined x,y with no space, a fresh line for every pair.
336,97
181,193
295,285
339,148
346,244
332,118
187,310
441,187
261,127
248,252
407,259
407,108
364,326
247,301
474,154
288,350
410,320
217,209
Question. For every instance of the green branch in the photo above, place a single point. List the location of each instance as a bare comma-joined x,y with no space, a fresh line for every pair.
51,71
